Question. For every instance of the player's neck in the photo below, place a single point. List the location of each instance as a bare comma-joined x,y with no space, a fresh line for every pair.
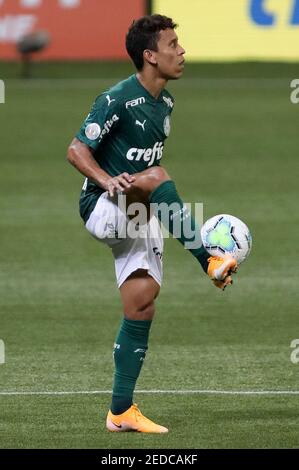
154,85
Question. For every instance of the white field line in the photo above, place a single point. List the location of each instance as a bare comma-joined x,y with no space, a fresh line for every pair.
162,392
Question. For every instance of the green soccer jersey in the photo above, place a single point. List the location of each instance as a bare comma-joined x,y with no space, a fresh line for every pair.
126,129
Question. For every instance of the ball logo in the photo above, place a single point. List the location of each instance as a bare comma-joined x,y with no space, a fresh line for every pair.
221,236
167,126
93,131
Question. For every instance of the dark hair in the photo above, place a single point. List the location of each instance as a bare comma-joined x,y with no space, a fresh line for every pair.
144,34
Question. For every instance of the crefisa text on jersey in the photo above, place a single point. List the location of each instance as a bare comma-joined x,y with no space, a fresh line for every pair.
148,155
151,459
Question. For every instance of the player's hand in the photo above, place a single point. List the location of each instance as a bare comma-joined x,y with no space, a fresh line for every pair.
220,270
120,183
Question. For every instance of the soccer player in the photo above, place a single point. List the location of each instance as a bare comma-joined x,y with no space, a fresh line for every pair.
119,149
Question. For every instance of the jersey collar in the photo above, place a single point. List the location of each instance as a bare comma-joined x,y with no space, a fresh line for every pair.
151,97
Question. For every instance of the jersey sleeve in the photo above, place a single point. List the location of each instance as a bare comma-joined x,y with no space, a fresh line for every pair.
102,120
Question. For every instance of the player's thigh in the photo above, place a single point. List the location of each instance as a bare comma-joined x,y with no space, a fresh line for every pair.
138,293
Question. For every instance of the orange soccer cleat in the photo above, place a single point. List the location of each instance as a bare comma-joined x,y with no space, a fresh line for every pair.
220,270
132,420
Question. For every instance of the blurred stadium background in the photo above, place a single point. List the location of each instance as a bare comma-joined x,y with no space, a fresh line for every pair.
234,146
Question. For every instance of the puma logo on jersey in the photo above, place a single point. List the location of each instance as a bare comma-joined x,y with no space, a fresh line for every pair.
147,155
141,124
109,100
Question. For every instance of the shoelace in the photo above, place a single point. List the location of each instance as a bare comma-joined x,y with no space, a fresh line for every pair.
137,412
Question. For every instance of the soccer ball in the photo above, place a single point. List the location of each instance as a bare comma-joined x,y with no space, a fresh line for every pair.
225,234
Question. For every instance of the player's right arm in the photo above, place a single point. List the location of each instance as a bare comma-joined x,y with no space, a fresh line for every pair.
80,155
106,109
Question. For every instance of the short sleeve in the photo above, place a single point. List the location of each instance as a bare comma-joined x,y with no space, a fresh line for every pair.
102,120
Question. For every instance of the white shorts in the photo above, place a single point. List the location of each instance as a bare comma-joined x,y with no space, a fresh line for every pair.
130,254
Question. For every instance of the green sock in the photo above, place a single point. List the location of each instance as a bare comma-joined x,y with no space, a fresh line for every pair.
179,217
129,352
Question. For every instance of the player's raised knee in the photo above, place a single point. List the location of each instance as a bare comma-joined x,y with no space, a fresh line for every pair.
150,179
157,175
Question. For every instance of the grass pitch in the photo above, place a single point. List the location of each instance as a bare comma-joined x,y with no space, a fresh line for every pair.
233,146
